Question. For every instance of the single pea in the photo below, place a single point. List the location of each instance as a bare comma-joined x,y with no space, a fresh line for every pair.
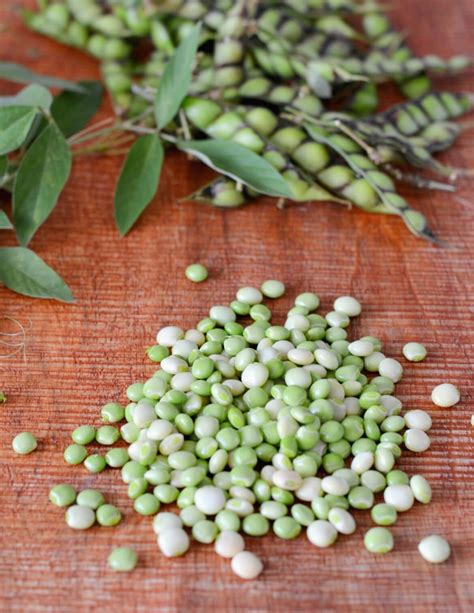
122,559
205,531
414,352
272,288
147,504
116,458
434,549
83,435
108,515
196,273
255,525
107,435
95,463
79,517
75,454
286,527
378,540
112,412
384,514
302,514
62,495
24,443
90,498
445,395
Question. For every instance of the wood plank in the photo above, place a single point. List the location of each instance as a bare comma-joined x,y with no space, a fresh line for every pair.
78,357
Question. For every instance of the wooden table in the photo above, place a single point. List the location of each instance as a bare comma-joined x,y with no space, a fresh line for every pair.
80,356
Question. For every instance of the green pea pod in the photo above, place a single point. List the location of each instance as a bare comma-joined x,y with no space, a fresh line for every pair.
223,193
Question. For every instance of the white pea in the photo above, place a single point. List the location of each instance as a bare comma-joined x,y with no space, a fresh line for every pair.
321,533
265,343
287,426
372,361
434,549
316,370
173,542
391,403
209,499
235,385
246,565
348,305
418,419
390,368
169,335
171,443
267,473
159,429
309,489
414,352
222,314
361,348
326,358
334,485
352,406
255,375
249,295
362,462
336,390
283,347
176,478
445,395
182,381
238,491
266,354
421,489
339,409
229,543
271,509
282,462
183,348
273,407
195,336
297,322
399,496
143,414
80,517
165,521
337,319
287,479
301,357
384,460
173,365
240,506
298,376
416,440
342,520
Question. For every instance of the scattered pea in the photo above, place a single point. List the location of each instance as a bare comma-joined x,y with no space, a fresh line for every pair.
445,395
108,515
122,559
434,549
378,540
79,517
62,495
414,352
196,273
24,443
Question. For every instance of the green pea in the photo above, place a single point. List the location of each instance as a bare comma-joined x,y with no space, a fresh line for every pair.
166,493
83,435
397,477
360,497
95,463
107,435
378,540
332,462
75,454
132,470
112,413
272,288
90,498
108,515
186,497
25,443
62,495
122,559
205,531
196,273
137,487
116,458
286,527
147,504
228,520
135,392
283,496
320,507
384,514
302,514
255,525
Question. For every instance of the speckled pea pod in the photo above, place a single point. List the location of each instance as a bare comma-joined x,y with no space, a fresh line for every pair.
223,193
380,183
262,88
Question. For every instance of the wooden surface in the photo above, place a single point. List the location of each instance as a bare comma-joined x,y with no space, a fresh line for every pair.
80,356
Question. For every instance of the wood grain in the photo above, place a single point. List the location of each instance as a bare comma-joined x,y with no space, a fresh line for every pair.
80,356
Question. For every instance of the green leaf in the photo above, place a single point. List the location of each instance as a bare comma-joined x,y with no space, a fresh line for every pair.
32,95
20,74
15,123
138,181
5,223
240,163
176,78
73,110
41,176
22,271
